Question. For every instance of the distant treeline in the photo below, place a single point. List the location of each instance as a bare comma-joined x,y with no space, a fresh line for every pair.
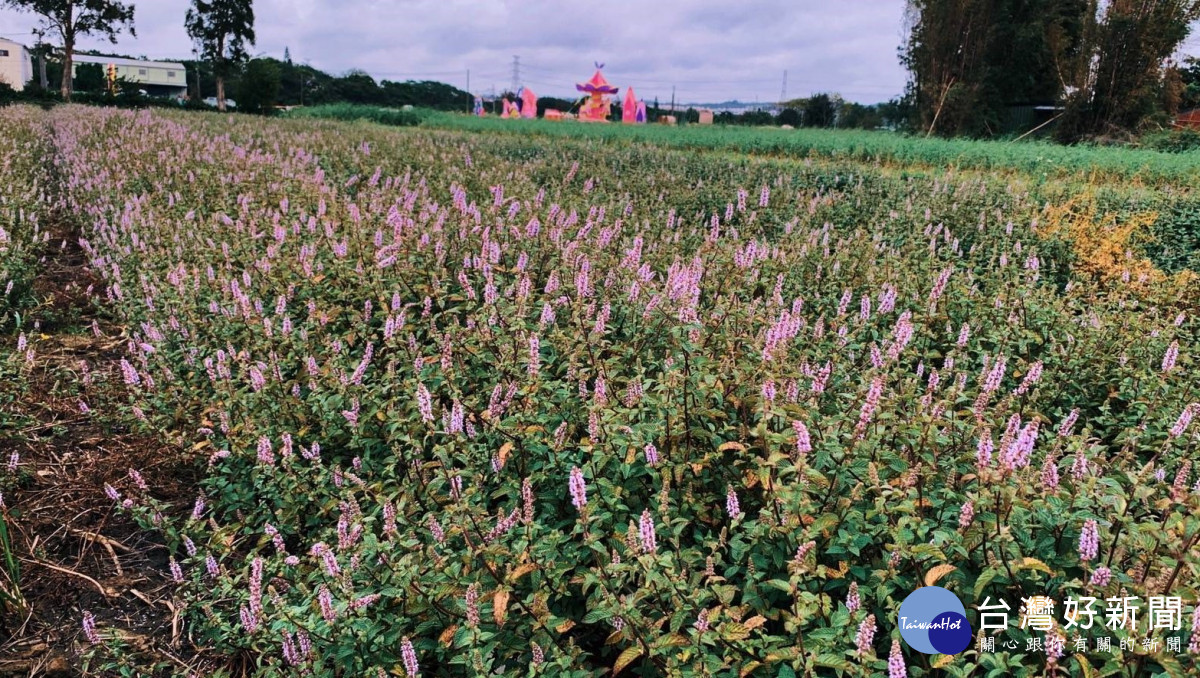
286,83
819,110
303,85
261,84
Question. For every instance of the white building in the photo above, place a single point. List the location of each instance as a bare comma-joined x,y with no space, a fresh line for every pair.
157,78
16,68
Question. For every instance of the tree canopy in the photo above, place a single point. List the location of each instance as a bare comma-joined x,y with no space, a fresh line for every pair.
221,29
258,88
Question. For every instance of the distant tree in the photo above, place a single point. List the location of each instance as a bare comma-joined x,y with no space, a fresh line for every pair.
858,116
70,20
198,72
821,111
1189,76
546,103
1170,91
358,87
258,88
424,93
757,118
791,117
899,113
221,30
45,66
89,78
300,84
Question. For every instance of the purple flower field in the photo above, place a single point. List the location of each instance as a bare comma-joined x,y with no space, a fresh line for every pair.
464,403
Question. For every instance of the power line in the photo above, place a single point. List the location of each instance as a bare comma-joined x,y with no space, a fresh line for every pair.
555,77
546,83
555,80
652,83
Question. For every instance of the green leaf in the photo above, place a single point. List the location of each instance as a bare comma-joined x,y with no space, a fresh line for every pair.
984,580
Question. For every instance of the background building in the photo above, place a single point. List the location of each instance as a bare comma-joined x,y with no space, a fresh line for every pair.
157,78
1188,119
16,68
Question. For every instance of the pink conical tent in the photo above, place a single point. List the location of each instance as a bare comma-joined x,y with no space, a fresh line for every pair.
528,103
510,109
595,107
629,108
641,112
597,84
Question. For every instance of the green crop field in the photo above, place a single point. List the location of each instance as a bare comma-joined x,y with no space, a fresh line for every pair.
481,397
1037,159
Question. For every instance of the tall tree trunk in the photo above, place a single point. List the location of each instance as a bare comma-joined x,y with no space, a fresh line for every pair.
219,66
67,75
68,35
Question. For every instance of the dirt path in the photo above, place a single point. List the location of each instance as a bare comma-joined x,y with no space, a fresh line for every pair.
76,552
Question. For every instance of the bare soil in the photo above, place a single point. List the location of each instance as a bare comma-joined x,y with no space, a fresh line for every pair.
77,552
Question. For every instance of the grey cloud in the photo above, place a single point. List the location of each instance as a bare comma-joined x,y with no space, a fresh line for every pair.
709,49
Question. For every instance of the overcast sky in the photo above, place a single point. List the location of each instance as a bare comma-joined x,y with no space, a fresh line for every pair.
710,50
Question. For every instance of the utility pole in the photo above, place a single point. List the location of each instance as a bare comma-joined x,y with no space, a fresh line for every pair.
469,90
516,80
306,81
672,99
196,65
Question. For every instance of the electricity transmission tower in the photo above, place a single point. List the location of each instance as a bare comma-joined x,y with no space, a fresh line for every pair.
516,72
783,90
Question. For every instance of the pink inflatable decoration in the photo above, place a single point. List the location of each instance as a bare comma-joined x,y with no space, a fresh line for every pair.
528,103
597,106
629,108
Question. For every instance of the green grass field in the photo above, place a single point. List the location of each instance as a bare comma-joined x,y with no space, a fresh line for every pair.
1036,159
